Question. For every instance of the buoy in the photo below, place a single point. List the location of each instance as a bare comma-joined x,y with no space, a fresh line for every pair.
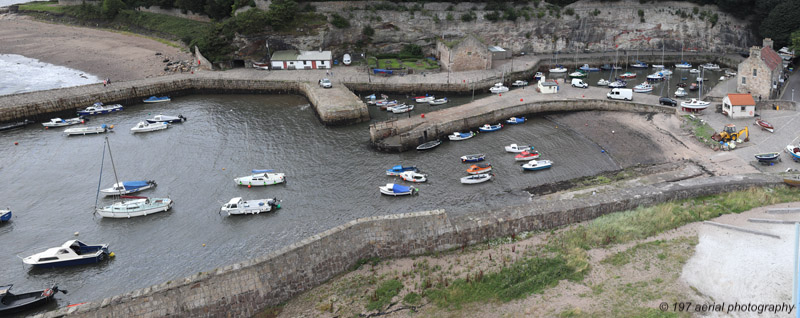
612,131
204,244
603,151
423,115
16,143
111,254
500,94
584,96
520,99
223,169
76,233
586,124
249,186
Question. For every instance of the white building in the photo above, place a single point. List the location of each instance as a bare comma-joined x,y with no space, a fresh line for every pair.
738,105
547,86
301,60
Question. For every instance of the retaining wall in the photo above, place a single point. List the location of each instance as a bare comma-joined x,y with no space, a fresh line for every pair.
772,103
244,289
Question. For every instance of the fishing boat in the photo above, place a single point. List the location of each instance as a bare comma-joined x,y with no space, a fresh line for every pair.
680,92
710,66
153,99
765,125
13,303
412,176
694,71
261,177
628,75
394,189
655,76
639,64
603,82
694,105
643,88
438,101
519,83
473,158
498,88
768,157
424,99
515,120
558,69
793,180
71,253
398,169
477,178
456,136
144,126
618,84
128,187
526,156
538,76
58,122
238,206
488,128
399,109
88,130
534,165
166,119
587,68
577,74
479,168
517,148
15,125
683,65
429,145
794,151
98,108
5,215
138,206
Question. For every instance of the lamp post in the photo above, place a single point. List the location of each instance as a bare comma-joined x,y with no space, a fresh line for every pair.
792,94
369,76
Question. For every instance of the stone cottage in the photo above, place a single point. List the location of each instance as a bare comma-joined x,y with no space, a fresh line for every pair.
465,54
760,73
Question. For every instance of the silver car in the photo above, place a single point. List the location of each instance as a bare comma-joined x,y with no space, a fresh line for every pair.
325,83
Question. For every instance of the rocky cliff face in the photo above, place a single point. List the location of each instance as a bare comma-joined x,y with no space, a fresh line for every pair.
595,26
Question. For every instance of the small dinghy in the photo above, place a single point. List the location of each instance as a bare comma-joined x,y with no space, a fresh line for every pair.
71,253
693,87
769,157
680,92
391,108
13,303
98,108
144,126
765,125
618,84
429,145
263,177
139,206
128,187
424,99
479,168
603,82
5,215
386,103
519,83
792,180
402,109
478,178
456,136
88,130
526,156
394,189
515,120
488,128
438,101
58,122
153,99
517,148
694,71
412,176
794,151
534,165
396,170
238,206
498,88
473,158
167,119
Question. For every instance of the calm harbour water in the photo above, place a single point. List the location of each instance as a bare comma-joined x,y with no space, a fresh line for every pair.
50,182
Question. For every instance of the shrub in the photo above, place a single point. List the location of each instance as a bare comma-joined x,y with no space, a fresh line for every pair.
570,11
368,31
492,16
339,21
110,8
466,17
251,21
641,13
449,17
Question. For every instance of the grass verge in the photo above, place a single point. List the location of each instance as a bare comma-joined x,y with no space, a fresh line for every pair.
701,129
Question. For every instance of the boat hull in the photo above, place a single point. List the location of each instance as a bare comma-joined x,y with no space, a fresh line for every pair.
26,301
475,179
82,131
110,213
111,191
473,158
5,215
429,145
74,262
792,181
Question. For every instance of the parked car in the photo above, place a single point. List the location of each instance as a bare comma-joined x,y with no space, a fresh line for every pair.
667,101
325,83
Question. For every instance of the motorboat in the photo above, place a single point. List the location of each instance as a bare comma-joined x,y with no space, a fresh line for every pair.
655,76
639,64
456,136
765,125
534,165
680,92
683,65
477,178
73,252
488,128
261,177
628,75
526,156
479,168
429,145
399,109
394,189
538,76
603,82
515,120
794,151
710,67
438,101
144,126
769,157
386,103
391,108
695,105
424,99
558,69
238,206
587,68
473,158
577,74
398,169
658,66
694,71
412,176
13,303
730,73
517,148
153,99
643,88
58,122
618,84
498,88
128,187
519,83
166,119
98,108
682,85
5,215
693,87
665,72
15,125
139,206
88,130
606,67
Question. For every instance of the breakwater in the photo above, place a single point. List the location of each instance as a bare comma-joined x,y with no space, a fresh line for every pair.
244,289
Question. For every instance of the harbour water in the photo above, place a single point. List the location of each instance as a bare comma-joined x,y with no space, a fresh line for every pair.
50,182
19,74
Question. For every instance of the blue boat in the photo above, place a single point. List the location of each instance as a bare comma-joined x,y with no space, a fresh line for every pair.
487,127
396,170
153,99
128,187
586,68
535,165
639,64
98,108
473,158
515,120
5,215
794,151
396,189
73,252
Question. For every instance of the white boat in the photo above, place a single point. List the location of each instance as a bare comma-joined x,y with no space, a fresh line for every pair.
397,190
164,118
516,148
655,76
456,136
73,252
694,71
519,83
476,178
58,122
438,101
238,206
261,178
658,66
730,73
99,108
665,72
144,126
603,82
683,64
88,130
643,88
695,104
413,176
392,107
534,165
699,79
680,92
128,187
424,99
498,88
710,66
402,109
139,206
577,74
558,69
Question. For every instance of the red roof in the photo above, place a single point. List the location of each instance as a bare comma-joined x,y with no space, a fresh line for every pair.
741,99
772,59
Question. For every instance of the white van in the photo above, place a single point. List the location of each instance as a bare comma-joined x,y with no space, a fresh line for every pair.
346,59
620,93
577,82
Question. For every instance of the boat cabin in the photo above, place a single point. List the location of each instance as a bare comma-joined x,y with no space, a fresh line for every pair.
738,105
547,87
233,203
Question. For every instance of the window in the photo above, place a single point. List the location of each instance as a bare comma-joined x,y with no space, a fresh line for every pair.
755,72
744,80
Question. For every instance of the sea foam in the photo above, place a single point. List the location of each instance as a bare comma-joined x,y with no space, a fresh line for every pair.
19,74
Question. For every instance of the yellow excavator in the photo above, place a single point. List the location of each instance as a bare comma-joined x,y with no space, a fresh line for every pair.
729,134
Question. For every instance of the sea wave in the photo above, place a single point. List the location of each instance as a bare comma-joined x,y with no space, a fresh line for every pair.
19,74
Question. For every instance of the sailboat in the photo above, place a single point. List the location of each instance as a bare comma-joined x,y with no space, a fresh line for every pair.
138,206
696,105
683,64
559,68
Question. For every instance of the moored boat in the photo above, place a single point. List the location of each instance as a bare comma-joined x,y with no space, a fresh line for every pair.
765,125
15,125
519,83
628,75
153,99
517,148
424,99
473,158
639,64
655,76
88,130
587,68
13,303
768,157
534,165
261,177
99,108
477,178
165,118
385,103
128,187
238,206
71,253
438,101
396,170
643,88
558,69
515,120
694,71
793,180
399,109
710,67
680,92
578,74
603,82
5,215
58,122
526,156
394,189
429,145
139,206
488,128
456,136
538,76
498,88
479,168
694,105
618,84
683,65
693,87
413,176
144,126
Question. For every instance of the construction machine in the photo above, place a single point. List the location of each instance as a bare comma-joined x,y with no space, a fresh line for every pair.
729,133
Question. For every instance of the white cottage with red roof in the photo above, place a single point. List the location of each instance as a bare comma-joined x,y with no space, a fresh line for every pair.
738,105
760,73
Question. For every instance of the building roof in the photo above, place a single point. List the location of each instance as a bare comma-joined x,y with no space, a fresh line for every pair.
741,99
315,56
772,59
286,55
496,49
548,83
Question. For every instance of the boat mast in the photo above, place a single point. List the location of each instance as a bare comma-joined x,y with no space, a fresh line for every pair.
97,197
116,179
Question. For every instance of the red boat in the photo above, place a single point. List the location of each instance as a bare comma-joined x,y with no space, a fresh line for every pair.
765,125
527,155
479,168
628,75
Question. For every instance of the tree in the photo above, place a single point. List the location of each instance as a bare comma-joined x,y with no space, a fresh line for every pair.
251,21
368,31
796,41
110,8
281,12
781,22
339,21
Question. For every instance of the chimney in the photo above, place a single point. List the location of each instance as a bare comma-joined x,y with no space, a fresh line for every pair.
755,52
768,43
